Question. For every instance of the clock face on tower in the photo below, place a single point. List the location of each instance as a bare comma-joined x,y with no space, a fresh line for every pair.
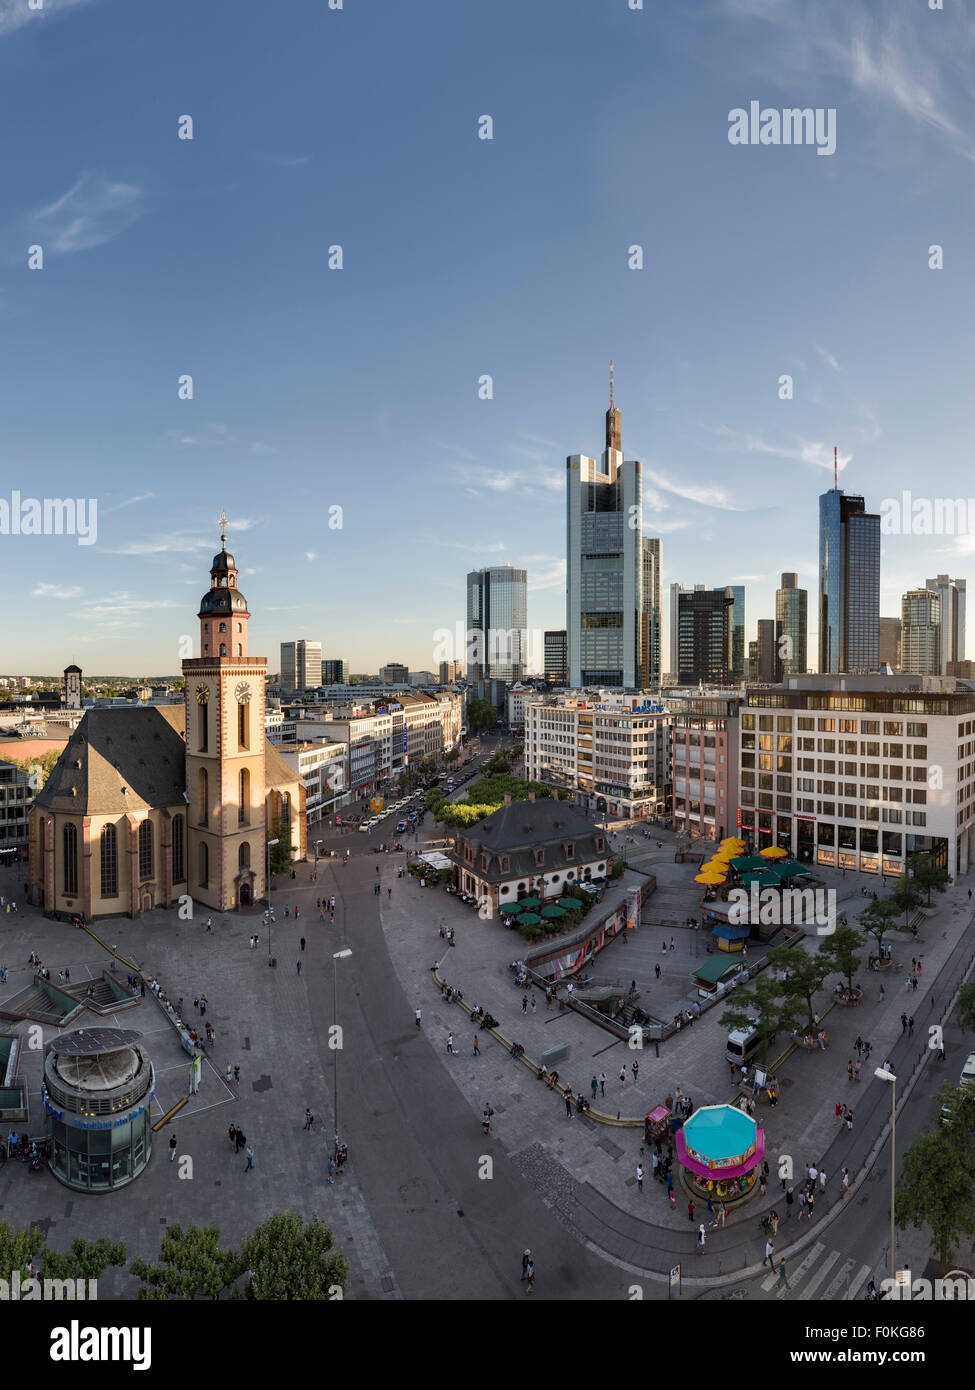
202,694
243,693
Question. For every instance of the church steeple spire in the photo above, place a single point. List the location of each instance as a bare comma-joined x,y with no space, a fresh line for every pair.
614,420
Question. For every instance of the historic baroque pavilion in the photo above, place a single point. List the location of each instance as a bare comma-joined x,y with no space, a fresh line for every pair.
149,804
540,846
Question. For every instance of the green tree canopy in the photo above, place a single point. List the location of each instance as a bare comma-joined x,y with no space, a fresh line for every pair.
841,948
84,1259
758,1008
806,974
937,1184
281,852
291,1260
927,874
17,1247
191,1265
965,1008
879,917
906,895
481,714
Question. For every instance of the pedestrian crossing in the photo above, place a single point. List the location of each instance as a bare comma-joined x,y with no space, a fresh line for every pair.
806,1279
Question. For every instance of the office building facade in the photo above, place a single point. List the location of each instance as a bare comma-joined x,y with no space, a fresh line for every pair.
497,623
301,666
849,584
890,643
791,625
608,568
952,594
556,657
921,633
738,634
701,631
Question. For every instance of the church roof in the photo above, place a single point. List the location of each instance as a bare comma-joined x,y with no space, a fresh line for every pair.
120,760
222,601
277,771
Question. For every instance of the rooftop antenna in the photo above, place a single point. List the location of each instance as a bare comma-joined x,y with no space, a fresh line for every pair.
835,474
611,383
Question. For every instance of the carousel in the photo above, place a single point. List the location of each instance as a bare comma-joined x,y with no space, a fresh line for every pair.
720,1149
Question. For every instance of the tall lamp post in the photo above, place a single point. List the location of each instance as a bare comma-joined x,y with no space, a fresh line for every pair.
270,914
336,955
883,1075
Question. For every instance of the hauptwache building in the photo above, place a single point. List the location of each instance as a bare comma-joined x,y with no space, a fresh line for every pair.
148,805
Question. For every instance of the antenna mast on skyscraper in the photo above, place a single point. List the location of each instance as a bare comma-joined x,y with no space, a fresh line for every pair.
611,383
836,482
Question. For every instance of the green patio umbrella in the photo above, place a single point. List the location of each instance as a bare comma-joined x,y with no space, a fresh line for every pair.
553,911
513,906
745,862
531,902
768,879
569,903
789,869
529,919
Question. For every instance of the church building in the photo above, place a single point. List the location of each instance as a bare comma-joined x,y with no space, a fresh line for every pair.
149,804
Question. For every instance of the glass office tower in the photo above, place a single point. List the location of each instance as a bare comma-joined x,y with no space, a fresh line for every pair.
849,584
497,623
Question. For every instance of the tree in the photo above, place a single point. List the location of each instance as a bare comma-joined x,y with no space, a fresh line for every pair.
289,1260
759,1009
84,1259
481,714
927,874
841,948
451,755
879,918
17,1247
906,895
805,976
937,1186
965,1008
192,1265
281,852
38,769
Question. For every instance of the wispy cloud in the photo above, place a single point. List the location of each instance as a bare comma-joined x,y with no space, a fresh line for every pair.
120,610
545,573
829,359
479,479
311,555
54,591
93,211
704,496
182,542
214,434
130,502
807,451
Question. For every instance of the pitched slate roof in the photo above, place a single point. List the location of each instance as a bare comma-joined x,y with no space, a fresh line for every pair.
516,831
140,750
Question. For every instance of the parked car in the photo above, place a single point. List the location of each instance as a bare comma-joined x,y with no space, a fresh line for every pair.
968,1071
400,827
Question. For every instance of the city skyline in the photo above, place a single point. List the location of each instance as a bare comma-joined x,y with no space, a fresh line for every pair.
701,336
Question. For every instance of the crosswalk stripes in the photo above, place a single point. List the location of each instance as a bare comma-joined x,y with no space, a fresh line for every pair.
807,1278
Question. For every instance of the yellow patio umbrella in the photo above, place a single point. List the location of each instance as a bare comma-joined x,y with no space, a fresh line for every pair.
732,840
773,852
709,877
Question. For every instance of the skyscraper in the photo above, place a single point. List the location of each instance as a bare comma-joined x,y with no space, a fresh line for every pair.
921,633
301,666
497,623
766,657
704,618
791,621
951,592
890,643
608,567
556,665
738,633
849,584
650,613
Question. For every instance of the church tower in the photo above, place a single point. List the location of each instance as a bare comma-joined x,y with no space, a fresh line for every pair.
225,756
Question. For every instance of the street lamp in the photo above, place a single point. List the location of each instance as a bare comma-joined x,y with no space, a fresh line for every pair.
270,914
336,955
882,1075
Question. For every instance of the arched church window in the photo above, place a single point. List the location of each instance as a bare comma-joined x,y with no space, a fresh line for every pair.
244,799
223,627
204,865
203,800
179,850
70,840
109,856
244,856
145,849
223,649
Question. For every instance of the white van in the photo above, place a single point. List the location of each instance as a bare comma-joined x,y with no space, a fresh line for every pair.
743,1045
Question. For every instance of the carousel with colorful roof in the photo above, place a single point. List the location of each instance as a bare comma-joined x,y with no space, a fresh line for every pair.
721,1149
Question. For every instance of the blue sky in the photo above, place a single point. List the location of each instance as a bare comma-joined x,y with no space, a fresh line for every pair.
358,388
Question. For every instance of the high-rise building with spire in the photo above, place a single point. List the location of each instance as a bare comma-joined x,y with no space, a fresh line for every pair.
849,582
612,572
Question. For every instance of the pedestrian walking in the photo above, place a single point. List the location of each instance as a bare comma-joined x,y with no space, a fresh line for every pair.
673,947
690,1211
849,1119
849,1071
594,1087
655,1167
769,1252
602,1083
237,1074
639,1178
856,1072
903,1023
229,1073
530,1277
846,1181
250,1159
822,1180
810,1204
941,1052
701,1238
450,1042
910,1026
525,1262
673,1197
635,1069
801,1205
882,994
301,945
309,1119
783,1277
859,1045
477,1050
789,1201
623,1076
533,1004
299,967
838,1111
232,1135
568,1105
172,1147
524,1003
203,1004
417,1016
656,970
